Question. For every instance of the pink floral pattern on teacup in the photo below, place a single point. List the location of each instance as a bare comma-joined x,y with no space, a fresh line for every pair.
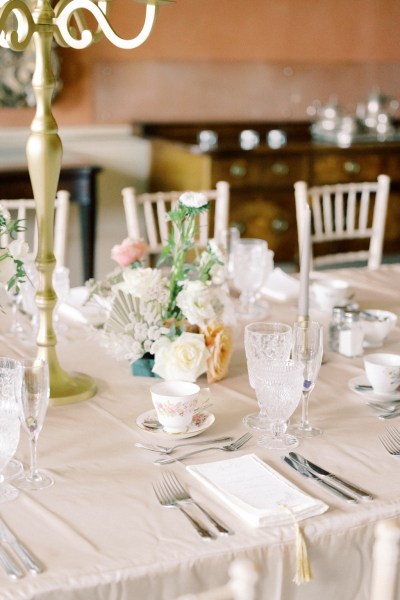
176,409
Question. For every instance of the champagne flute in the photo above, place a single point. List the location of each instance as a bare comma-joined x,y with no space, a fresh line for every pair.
264,342
10,381
278,390
307,348
33,401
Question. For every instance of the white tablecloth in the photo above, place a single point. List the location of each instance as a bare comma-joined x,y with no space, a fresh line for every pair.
102,534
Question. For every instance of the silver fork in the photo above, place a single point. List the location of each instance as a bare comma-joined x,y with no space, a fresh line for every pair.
169,449
183,497
232,447
391,440
166,499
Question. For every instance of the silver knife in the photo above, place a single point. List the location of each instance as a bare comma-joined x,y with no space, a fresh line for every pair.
26,558
9,565
353,489
306,473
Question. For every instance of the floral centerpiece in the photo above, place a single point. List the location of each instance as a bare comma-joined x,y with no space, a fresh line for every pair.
178,315
12,271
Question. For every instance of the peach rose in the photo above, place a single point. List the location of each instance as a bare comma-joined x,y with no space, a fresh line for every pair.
219,343
128,252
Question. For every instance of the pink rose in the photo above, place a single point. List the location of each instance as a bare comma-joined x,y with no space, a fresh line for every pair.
128,252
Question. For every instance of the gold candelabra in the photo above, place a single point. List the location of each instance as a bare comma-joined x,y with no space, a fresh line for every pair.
67,25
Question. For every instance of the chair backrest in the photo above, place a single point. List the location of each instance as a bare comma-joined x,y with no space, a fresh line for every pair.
345,211
242,584
385,562
26,209
145,215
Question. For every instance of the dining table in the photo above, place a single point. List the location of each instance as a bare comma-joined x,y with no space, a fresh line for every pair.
100,532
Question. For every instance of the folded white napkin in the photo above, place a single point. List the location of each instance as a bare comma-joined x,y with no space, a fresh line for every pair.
281,286
75,310
255,492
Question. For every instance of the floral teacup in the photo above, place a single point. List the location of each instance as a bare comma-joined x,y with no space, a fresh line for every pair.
175,403
383,372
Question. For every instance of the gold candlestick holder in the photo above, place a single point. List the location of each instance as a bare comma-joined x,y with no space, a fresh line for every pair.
67,25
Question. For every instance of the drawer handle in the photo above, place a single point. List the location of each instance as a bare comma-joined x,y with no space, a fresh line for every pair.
238,170
350,166
280,225
280,168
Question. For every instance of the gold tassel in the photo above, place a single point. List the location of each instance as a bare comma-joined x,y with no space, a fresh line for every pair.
303,568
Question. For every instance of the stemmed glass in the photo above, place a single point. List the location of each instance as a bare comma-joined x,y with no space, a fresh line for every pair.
250,260
10,381
264,342
278,391
33,401
307,348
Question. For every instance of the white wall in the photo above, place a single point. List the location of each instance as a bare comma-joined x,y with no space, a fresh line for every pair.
124,160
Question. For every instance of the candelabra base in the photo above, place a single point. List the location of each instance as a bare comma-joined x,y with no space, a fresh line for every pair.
70,388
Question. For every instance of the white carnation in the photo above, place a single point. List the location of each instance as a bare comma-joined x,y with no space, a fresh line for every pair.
193,199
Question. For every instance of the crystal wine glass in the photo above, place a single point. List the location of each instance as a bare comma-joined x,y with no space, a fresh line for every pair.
278,390
33,400
307,348
250,259
263,343
10,381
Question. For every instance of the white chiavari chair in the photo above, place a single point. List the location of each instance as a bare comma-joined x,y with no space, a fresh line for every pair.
25,209
145,215
385,566
242,584
345,211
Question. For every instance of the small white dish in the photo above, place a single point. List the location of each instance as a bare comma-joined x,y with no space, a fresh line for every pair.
376,331
370,394
200,422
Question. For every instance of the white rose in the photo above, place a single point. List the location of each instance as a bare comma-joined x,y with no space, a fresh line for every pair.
184,359
196,302
18,249
138,281
193,199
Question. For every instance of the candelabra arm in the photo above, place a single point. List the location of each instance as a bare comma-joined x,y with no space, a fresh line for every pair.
66,34
80,23
17,36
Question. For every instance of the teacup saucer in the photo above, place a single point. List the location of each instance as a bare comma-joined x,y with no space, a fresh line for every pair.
370,394
200,422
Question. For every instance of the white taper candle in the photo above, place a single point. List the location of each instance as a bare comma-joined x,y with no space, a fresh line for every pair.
304,293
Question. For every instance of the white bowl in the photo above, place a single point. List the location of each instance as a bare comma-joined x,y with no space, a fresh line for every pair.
377,327
328,293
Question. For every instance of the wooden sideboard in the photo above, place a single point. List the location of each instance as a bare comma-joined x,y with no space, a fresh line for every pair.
261,180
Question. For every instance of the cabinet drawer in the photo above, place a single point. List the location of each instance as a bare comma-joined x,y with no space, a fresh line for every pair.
341,168
261,171
269,216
